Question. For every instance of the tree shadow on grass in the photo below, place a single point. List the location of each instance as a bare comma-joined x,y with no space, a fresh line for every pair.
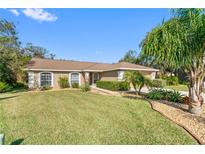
3,98
17,142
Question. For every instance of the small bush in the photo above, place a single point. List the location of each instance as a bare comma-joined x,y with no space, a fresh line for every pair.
123,86
113,85
175,96
159,83
4,87
85,87
160,94
43,88
184,82
172,80
20,85
63,82
75,85
185,100
154,94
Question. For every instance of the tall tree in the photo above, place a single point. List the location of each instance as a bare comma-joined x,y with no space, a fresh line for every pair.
130,56
37,52
13,58
180,43
9,52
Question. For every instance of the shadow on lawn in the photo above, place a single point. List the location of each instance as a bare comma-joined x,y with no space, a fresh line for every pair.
8,97
17,142
133,95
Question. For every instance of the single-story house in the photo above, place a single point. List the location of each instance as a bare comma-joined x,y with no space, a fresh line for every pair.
43,72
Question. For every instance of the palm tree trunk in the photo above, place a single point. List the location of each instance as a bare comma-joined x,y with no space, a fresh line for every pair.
139,91
195,91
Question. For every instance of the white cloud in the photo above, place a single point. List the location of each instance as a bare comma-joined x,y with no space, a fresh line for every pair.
15,12
39,14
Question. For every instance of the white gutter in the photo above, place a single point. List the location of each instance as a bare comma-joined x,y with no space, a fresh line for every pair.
57,70
135,69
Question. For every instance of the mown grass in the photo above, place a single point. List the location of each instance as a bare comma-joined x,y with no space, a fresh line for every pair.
179,87
73,117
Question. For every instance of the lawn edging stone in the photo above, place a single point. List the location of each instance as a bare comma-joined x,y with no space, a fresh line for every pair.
196,137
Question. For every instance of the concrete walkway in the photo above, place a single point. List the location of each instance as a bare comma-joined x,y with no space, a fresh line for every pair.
104,91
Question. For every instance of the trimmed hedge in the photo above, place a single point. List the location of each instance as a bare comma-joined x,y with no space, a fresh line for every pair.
20,85
4,87
113,85
159,83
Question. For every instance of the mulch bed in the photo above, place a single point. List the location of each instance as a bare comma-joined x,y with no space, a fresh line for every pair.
178,113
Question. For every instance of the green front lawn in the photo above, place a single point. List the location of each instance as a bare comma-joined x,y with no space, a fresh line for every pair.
73,117
179,87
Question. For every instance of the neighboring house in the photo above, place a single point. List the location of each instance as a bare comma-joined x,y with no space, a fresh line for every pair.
42,72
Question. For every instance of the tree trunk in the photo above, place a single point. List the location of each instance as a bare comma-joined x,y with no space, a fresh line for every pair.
195,91
139,90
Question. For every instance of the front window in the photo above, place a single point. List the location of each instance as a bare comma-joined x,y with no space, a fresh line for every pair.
46,79
120,75
75,78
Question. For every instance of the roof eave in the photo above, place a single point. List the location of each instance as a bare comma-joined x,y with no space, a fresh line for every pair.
132,69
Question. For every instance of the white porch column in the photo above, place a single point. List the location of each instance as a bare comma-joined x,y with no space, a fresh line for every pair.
152,76
31,79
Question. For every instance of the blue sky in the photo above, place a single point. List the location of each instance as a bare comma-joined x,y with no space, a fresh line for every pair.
102,35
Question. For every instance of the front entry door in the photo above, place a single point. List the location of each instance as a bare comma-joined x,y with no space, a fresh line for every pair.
95,77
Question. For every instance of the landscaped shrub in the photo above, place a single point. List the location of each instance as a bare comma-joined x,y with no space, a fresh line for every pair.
85,87
184,82
172,80
113,85
185,100
160,83
161,94
45,88
4,87
20,85
75,85
123,86
174,96
63,82
155,94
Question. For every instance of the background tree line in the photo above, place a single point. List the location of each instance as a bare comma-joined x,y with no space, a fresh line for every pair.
14,56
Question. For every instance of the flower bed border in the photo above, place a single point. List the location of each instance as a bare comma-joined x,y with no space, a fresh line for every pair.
179,124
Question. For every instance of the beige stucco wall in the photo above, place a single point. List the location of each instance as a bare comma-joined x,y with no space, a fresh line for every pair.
113,75
56,76
106,76
146,73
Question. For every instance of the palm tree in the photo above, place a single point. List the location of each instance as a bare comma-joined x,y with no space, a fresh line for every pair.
180,43
137,80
